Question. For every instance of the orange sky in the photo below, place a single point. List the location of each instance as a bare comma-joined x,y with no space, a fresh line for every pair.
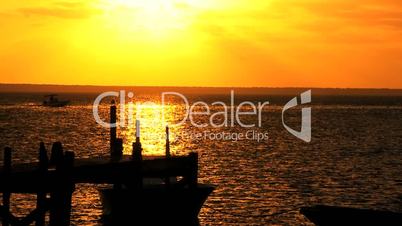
275,43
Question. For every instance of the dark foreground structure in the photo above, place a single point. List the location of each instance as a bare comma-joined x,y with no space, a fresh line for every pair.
130,199
153,189
336,216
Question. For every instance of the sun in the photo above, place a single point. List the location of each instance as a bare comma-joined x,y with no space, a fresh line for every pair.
139,34
150,18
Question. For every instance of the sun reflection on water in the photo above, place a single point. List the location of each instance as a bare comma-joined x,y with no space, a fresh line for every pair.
154,118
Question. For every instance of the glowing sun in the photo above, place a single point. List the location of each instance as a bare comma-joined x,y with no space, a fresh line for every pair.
151,17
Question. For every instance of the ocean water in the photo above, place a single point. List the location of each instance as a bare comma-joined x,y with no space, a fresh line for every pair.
354,158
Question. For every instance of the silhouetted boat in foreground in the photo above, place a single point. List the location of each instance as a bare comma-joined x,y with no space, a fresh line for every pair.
335,216
158,191
154,204
53,101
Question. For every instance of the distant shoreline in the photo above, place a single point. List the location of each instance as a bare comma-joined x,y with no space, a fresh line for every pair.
49,88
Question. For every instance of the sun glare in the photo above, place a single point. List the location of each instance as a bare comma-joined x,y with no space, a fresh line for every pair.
151,18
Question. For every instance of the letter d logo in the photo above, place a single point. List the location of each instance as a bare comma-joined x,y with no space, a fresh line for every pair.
305,133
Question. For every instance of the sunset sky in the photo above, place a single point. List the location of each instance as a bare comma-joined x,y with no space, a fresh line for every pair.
264,43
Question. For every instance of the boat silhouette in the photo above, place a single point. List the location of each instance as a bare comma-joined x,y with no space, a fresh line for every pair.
53,101
155,204
334,216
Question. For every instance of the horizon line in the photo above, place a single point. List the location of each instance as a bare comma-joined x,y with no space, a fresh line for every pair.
222,87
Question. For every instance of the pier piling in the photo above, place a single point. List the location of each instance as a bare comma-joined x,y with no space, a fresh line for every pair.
7,169
167,143
56,155
137,160
167,154
113,127
61,197
117,149
41,195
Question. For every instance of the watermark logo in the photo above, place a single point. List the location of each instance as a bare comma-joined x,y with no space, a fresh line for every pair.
231,116
305,133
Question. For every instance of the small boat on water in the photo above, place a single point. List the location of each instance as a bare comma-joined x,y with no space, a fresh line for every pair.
335,216
53,101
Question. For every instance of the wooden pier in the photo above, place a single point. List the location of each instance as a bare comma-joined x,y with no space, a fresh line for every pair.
53,179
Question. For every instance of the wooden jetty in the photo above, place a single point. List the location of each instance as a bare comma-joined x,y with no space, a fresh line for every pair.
42,178
53,180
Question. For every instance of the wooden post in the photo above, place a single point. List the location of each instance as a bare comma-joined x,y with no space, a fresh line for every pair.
193,175
117,155
41,196
56,160
137,159
167,153
137,150
61,198
43,158
113,129
117,152
7,169
56,155
70,186
167,143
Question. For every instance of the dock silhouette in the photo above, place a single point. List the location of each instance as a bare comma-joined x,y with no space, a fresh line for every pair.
53,181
